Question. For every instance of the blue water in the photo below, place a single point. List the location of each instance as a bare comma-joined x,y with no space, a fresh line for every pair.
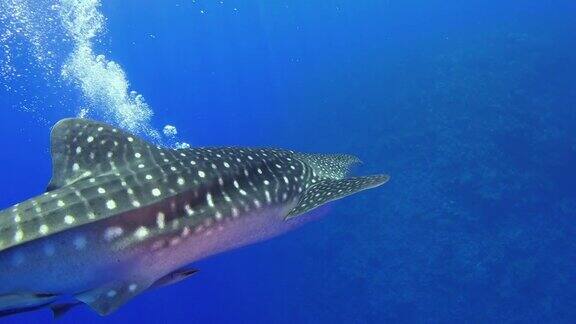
470,106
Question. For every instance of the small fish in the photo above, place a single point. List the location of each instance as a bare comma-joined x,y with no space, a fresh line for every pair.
122,216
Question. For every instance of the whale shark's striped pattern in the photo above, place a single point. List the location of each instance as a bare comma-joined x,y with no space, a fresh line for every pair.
122,215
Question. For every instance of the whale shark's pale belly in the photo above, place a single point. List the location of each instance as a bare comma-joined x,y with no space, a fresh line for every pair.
88,256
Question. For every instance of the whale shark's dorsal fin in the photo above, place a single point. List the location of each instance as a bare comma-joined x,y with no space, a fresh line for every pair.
329,166
329,190
82,148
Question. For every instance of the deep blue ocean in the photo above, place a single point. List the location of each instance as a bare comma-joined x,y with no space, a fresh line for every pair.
469,106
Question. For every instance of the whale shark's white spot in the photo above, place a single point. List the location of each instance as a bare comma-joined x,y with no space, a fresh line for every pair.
136,203
113,232
43,229
201,174
111,293
60,203
209,200
19,235
156,192
188,210
101,190
132,287
180,181
268,198
69,219
161,220
141,232
111,204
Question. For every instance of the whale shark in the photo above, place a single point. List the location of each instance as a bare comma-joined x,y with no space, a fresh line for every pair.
121,215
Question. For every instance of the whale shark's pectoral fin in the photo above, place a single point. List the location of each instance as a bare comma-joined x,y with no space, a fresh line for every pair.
329,190
108,298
